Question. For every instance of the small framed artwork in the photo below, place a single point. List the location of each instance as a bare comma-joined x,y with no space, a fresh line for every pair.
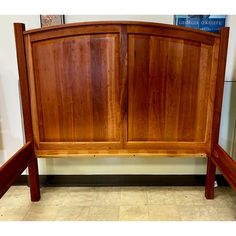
209,23
50,20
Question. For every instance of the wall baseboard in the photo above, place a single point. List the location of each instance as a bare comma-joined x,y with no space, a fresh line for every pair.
121,180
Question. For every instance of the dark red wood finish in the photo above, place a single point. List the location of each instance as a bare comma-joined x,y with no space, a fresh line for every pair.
25,99
121,88
24,87
223,156
224,35
226,165
34,180
210,179
13,168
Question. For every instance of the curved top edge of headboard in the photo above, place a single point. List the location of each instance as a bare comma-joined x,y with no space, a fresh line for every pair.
140,23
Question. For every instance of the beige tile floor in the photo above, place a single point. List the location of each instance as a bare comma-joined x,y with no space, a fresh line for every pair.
118,204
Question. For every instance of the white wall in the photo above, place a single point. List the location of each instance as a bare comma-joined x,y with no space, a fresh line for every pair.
230,74
168,19
11,136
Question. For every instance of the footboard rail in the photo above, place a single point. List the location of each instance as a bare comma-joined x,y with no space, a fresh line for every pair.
14,167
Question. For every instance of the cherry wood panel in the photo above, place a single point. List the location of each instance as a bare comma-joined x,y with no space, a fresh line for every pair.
168,89
122,87
77,88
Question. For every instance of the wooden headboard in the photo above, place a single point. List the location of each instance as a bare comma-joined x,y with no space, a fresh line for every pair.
123,89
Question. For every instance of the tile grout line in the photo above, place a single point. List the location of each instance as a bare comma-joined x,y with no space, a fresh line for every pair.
147,204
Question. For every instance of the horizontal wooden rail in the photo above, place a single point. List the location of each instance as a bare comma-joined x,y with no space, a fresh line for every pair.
226,165
13,168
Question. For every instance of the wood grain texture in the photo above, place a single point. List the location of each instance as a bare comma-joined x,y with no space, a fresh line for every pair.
77,88
123,83
112,26
68,31
122,87
23,78
169,85
173,32
218,156
26,156
121,154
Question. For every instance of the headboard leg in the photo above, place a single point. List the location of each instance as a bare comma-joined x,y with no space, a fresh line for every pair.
210,179
34,180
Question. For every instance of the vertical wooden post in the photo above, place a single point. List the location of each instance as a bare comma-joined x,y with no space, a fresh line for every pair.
210,179
24,89
211,168
123,82
34,180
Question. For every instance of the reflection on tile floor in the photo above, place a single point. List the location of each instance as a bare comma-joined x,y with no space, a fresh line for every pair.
118,203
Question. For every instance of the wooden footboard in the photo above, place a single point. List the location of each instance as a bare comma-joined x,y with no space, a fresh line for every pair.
13,168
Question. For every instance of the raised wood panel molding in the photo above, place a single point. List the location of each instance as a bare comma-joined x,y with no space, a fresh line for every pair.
122,87
169,87
77,88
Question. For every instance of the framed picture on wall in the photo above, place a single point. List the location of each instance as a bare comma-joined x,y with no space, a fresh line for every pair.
209,23
50,20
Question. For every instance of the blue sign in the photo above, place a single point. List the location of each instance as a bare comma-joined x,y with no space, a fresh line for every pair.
210,23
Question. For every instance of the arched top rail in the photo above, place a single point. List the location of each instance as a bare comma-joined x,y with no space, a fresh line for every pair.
127,23
131,27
